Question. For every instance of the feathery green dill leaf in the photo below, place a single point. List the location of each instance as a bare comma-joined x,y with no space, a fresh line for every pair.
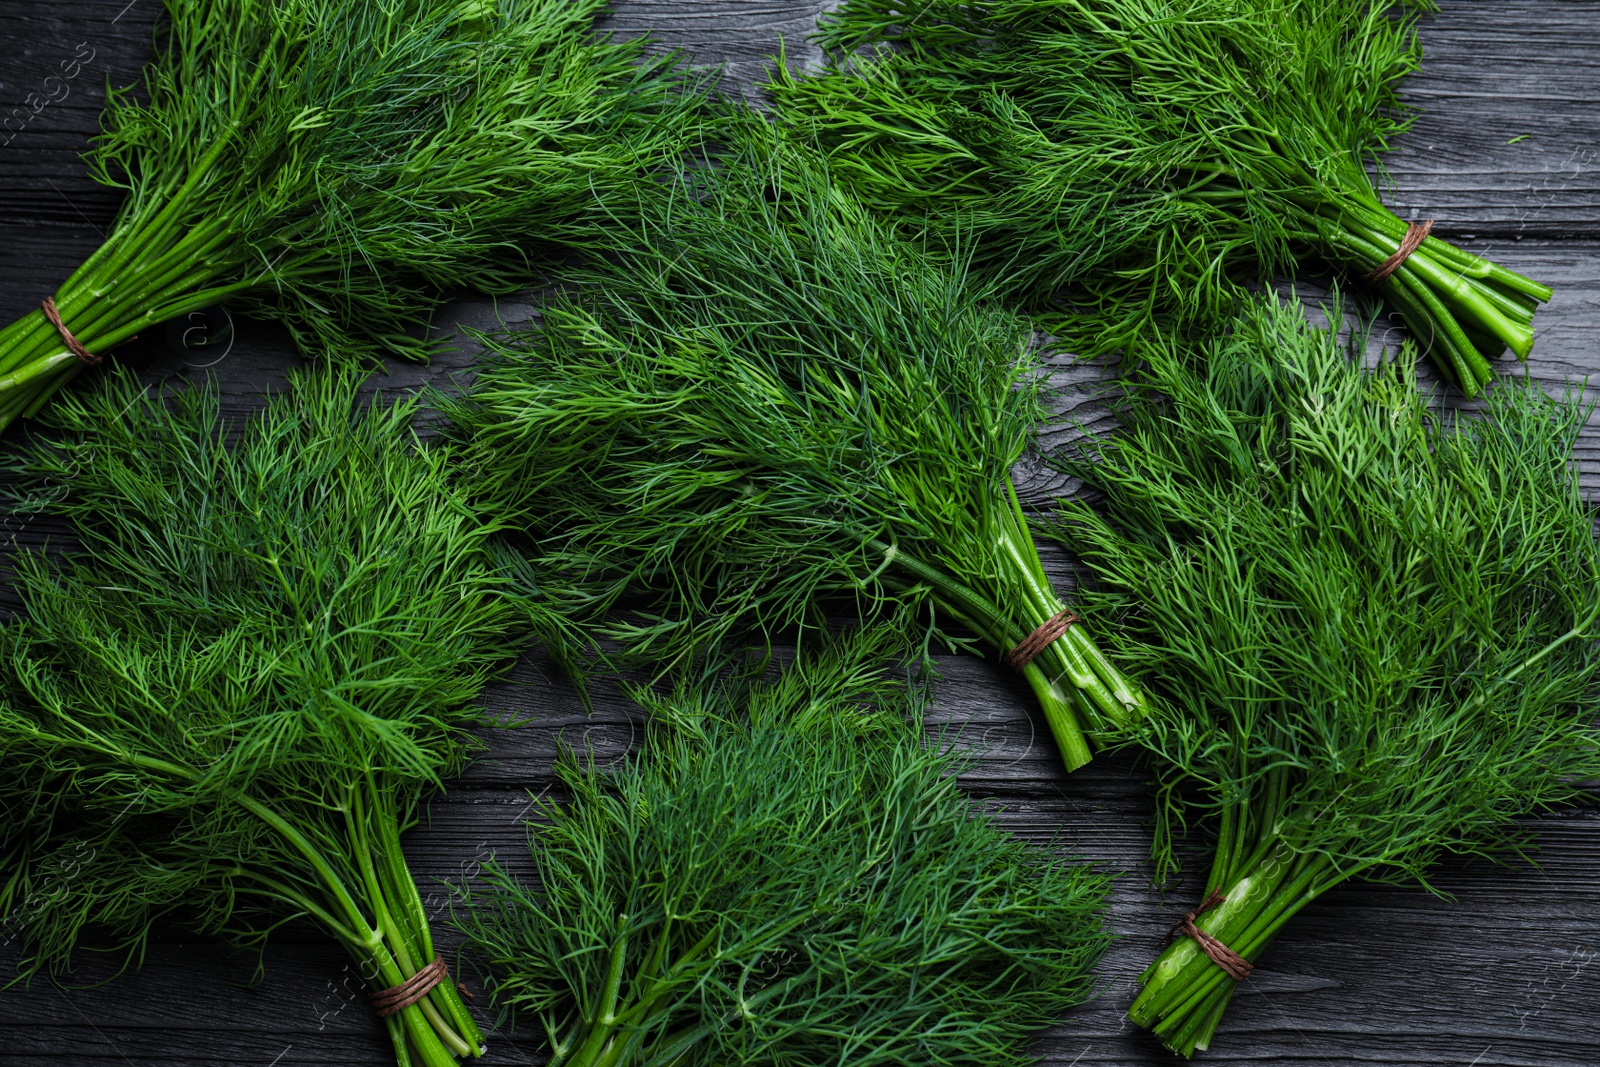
766,398
1142,156
1368,628
786,874
227,706
337,165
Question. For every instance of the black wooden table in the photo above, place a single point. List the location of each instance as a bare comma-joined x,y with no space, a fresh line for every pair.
1505,157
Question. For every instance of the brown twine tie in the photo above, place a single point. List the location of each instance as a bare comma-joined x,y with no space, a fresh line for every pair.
73,344
1040,639
1233,965
1415,234
398,998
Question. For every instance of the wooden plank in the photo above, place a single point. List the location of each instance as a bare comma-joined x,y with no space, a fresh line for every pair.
53,79
743,36
1504,975
1497,71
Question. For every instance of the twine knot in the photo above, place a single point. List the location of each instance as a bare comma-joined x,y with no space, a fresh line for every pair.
1415,234
1233,965
74,345
398,998
1040,639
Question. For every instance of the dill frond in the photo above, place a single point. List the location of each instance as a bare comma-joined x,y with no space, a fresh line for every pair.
1367,627
1130,166
224,709
765,398
340,165
786,873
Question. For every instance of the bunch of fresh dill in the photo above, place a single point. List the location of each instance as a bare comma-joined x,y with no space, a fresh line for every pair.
1143,156
337,164
224,709
787,873
763,398
1368,629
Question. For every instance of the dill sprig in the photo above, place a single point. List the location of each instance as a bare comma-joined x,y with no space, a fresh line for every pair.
224,709
786,873
1149,157
1368,628
336,165
765,398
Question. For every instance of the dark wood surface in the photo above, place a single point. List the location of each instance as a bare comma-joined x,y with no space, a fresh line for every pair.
1508,972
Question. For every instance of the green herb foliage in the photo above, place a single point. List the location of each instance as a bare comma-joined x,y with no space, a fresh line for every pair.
1368,627
336,164
1146,155
226,707
786,874
766,398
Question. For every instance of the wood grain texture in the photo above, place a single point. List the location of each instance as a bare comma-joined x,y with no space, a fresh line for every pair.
1498,71
1506,974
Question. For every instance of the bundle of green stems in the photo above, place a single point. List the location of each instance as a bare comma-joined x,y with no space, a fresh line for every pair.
341,166
787,872
763,399
1128,167
223,708
1367,627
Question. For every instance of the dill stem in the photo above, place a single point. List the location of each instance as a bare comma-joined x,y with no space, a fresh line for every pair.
1030,568
1457,259
384,922
165,277
1481,302
1425,286
402,891
1445,325
103,272
1184,992
388,926
1190,1024
1497,302
1061,715
1104,694
1468,365
395,898
1109,693
170,273
1252,826
1203,1028
383,945
1455,366
41,365
604,1024
281,891
1001,633
643,1014
1374,230
111,297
